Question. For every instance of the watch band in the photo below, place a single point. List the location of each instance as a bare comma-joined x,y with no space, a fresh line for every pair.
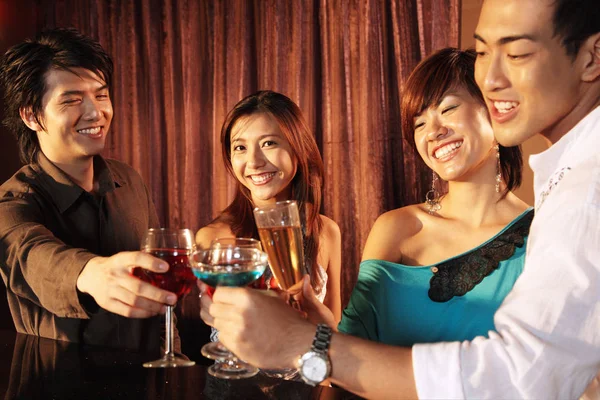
317,360
322,339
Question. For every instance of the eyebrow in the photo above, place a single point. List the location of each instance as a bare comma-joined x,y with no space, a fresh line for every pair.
450,92
507,39
80,92
261,137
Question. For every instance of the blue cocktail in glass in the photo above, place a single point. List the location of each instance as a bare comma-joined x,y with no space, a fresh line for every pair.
228,266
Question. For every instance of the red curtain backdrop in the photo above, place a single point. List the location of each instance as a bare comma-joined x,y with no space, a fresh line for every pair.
182,64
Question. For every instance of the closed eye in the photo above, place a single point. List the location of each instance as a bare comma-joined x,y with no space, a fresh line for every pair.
518,56
419,125
70,101
449,108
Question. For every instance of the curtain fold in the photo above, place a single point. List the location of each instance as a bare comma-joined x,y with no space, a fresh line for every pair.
181,65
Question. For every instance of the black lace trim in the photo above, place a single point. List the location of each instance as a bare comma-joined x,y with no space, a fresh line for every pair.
460,275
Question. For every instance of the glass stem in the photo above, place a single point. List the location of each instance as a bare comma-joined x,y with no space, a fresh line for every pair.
169,326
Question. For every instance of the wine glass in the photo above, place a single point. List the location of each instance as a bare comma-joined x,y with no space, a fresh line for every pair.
264,282
173,246
216,351
228,266
236,242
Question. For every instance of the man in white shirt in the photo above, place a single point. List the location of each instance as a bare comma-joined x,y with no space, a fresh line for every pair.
539,70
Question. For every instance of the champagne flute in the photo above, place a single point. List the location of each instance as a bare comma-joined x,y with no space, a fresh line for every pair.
228,266
173,246
280,233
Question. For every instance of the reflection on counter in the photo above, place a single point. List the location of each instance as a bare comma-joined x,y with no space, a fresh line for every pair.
49,369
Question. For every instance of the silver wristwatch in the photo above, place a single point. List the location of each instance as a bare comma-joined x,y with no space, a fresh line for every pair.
314,366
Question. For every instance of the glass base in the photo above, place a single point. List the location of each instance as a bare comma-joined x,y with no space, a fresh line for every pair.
169,362
232,369
289,374
216,351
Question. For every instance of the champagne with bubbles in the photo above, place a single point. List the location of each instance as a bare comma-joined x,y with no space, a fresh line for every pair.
280,233
283,245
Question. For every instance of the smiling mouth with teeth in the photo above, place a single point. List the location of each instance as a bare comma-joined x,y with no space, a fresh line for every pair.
90,131
262,178
504,107
447,149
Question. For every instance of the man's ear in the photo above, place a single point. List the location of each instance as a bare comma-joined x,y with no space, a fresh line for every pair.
29,119
590,50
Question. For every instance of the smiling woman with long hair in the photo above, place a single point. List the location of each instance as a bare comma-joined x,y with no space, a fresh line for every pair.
269,149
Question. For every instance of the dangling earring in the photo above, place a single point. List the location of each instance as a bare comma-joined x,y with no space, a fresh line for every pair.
432,197
498,172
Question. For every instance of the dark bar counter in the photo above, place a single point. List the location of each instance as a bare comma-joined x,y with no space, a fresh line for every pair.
38,368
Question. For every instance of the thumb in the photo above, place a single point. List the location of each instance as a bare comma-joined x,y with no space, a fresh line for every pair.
138,259
308,293
203,287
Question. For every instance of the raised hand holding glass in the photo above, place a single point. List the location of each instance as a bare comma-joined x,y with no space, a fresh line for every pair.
173,246
228,266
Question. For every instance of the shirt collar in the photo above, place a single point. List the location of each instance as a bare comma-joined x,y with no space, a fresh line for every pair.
545,164
61,188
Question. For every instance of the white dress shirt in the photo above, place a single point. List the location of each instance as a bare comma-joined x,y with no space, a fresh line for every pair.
547,344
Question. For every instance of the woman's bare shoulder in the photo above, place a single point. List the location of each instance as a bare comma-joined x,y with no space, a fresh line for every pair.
401,222
212,231
390,230
331,230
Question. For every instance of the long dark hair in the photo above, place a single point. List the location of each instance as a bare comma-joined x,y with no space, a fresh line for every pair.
306,185
445,70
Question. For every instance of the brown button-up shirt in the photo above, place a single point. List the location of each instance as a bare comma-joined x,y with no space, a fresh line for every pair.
49,229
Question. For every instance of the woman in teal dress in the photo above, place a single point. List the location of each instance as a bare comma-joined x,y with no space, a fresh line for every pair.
438,271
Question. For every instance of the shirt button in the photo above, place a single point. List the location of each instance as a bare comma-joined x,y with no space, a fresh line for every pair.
434,269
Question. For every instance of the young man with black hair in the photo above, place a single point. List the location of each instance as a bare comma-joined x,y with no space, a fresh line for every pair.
71,222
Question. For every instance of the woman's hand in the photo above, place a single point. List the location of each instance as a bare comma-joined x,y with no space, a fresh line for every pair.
206,293
315,311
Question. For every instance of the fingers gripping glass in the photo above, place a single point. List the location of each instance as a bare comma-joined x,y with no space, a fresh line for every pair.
228,266
173,246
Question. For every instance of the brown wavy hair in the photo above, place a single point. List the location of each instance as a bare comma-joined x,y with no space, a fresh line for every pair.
306,185
441,72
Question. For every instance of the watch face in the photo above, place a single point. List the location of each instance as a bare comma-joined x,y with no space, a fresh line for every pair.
315,368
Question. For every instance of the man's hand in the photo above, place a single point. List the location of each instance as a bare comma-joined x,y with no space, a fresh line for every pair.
260,329
109,281
206,293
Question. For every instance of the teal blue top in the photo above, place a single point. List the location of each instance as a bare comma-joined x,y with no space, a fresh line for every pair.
390,302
